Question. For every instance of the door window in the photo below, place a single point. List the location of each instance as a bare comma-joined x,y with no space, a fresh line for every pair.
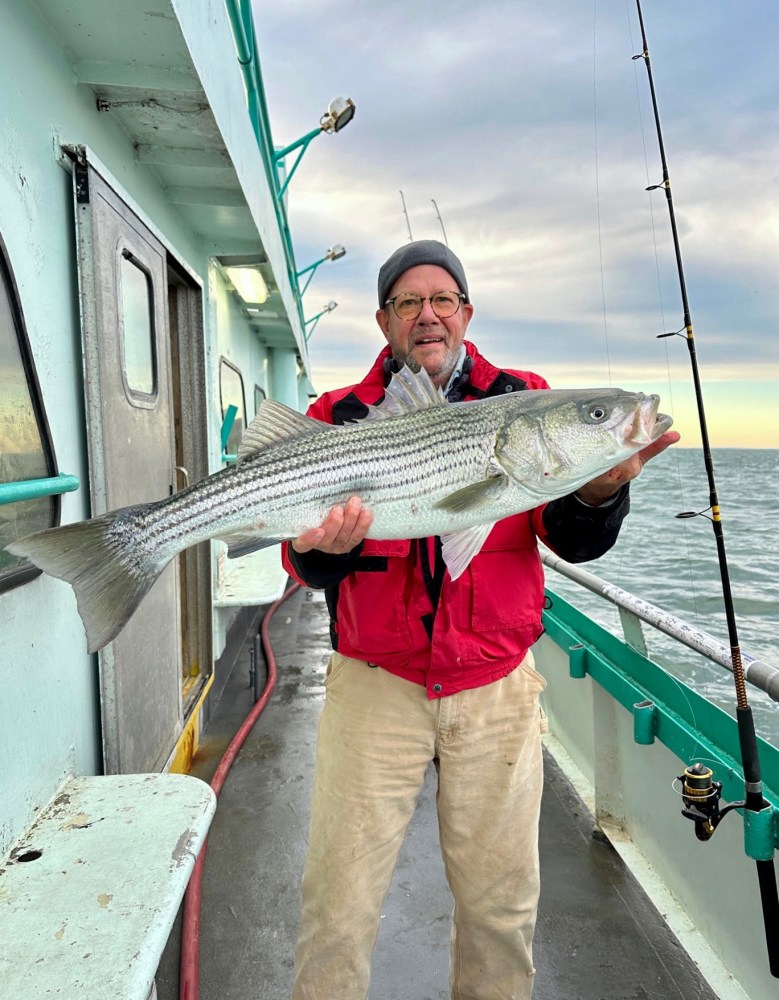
138,339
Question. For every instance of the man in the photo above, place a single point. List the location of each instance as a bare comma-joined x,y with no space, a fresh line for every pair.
429,669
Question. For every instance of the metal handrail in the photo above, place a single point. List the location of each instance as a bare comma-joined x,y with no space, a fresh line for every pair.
760,674
32,489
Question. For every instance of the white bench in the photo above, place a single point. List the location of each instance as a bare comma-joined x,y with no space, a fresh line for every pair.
89,895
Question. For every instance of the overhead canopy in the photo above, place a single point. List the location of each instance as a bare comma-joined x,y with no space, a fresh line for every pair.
167,73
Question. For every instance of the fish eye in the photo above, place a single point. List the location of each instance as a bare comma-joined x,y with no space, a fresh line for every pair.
597,413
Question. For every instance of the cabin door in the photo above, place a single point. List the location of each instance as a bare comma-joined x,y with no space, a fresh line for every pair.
132,456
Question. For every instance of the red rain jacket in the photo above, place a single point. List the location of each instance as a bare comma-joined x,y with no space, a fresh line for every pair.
384,599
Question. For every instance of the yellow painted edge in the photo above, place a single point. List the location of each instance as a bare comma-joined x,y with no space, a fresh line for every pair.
187,744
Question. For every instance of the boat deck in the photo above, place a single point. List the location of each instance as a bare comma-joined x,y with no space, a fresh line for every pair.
598,936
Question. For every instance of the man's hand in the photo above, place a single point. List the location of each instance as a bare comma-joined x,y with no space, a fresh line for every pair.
602,488
343,529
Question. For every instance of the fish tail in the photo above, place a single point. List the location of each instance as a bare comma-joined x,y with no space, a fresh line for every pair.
109,568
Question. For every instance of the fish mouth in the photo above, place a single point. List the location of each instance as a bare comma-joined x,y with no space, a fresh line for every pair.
648,425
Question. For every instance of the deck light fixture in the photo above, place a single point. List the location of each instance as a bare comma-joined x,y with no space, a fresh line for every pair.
340,112
248,282
334,253
315,319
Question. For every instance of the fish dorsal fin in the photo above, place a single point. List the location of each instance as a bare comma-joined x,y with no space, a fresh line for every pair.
276,422
407,392
460,547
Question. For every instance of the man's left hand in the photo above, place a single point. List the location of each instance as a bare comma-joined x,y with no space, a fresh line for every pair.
605,486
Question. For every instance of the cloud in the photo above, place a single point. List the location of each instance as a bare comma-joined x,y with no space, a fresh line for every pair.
530,126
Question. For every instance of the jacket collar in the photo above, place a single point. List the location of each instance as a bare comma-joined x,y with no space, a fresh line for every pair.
479,379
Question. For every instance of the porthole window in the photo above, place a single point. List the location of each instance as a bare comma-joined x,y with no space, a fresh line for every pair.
231,393
25,447
137,311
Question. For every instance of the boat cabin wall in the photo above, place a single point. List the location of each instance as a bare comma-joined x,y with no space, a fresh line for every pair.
50,714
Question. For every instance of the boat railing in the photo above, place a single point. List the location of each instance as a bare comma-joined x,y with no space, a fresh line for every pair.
626,726
635,610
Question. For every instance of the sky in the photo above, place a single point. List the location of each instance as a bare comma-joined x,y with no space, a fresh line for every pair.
530,127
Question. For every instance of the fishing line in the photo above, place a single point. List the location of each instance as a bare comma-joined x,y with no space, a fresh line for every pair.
754,802
676,459
627,532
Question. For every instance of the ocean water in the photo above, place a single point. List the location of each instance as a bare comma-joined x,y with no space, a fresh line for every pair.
673,564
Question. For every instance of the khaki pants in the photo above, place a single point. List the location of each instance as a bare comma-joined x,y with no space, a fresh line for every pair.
377,736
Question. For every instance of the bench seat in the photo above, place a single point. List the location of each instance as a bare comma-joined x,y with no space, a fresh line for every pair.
89,895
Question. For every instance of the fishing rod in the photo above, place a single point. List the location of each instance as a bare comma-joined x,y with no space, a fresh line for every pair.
700,793
405,212
438,216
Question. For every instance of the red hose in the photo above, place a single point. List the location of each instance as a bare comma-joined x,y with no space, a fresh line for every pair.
189,967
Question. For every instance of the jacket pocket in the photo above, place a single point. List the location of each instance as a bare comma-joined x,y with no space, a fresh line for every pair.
372,606
508,589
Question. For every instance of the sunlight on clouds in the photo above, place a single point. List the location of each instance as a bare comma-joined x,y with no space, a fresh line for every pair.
530,126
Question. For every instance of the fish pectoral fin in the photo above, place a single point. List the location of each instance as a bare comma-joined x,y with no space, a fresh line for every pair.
241,545
475,496
461,546
276,422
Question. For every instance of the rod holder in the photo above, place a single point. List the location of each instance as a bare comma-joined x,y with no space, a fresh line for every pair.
644,722
760,833
577,661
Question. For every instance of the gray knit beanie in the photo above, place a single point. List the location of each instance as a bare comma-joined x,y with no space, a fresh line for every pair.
420,252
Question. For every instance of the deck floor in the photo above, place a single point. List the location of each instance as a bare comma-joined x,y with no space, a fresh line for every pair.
598,937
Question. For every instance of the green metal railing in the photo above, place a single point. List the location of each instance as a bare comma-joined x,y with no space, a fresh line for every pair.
663,709
32,489
242,23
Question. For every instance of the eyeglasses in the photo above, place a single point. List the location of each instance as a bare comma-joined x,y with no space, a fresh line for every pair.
443,304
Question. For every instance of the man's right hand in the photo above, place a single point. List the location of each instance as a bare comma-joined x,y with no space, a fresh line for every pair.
343,529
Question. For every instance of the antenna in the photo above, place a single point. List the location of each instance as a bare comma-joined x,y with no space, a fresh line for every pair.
438,214
410,237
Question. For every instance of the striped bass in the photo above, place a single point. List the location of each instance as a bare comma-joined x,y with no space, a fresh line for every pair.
423,467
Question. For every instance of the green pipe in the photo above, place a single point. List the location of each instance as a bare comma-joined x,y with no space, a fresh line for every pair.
242,43
312,267
32,489
308,282
227,424
305,142
239,14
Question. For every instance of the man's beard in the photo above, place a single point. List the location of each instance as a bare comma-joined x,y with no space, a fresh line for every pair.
443,371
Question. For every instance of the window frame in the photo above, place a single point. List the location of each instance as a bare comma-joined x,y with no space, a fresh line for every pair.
231,364
136,397
29,572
